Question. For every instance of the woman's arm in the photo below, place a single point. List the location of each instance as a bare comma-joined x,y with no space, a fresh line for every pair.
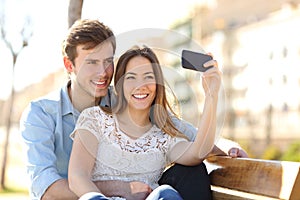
195,152
82,160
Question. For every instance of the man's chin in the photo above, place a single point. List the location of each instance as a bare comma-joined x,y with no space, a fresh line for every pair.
101,93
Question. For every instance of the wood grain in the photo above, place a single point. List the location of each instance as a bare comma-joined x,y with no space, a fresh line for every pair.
276,179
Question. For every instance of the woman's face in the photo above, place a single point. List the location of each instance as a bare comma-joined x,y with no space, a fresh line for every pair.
139,83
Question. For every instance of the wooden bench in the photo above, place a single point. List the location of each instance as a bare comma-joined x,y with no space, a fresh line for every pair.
244,178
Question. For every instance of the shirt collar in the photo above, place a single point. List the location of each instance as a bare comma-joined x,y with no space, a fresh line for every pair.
68,106
106,100
66,101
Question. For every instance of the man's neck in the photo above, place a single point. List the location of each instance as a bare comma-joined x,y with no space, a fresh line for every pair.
81,100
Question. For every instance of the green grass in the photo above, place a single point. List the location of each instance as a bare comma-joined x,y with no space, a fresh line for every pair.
13,190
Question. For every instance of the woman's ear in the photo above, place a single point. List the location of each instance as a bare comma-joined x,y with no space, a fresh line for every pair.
68,64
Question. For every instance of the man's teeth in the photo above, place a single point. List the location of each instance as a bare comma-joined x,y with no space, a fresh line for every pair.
99,82
140,96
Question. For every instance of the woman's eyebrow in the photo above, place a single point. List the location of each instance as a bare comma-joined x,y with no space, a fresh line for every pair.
130,73
146,73
133,73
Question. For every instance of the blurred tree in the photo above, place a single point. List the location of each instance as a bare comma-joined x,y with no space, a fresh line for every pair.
75,10
269,123
15,45
292,153
272,152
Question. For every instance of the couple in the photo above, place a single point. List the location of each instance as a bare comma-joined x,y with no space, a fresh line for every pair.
47,123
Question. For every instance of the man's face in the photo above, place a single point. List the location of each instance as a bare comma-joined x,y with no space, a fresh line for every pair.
93,69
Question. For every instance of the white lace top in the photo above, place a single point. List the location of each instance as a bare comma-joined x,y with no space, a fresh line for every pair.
121,158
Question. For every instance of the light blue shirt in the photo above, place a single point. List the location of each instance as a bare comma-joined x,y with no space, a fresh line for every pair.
46,125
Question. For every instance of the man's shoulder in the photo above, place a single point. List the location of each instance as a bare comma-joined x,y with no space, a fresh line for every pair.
51,102
52,97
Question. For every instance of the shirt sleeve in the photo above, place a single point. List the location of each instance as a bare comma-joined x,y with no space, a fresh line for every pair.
37,130
184,127
173,142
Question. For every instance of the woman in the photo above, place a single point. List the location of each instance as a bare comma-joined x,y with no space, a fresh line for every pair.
136,139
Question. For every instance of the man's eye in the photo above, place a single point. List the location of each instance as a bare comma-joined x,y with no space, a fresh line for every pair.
108,62
92,62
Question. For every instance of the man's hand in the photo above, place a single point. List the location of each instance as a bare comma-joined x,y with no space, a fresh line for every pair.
134,190
237,152
225,147
138,190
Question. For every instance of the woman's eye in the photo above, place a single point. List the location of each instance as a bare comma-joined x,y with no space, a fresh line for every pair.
149,77
129,77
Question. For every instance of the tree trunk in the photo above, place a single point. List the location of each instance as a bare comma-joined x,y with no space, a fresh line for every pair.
8,121
74,12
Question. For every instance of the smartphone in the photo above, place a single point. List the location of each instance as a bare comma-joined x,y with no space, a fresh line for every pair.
195,60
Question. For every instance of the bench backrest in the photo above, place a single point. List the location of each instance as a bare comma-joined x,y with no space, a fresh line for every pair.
276,179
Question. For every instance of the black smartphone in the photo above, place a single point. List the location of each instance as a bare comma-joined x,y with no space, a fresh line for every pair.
194,60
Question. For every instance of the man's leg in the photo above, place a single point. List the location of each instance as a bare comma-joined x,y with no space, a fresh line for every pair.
192,182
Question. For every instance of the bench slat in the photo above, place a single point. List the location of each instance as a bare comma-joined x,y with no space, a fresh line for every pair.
220,193
277,179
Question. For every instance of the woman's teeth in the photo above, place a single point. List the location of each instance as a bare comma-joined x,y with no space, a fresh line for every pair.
140,96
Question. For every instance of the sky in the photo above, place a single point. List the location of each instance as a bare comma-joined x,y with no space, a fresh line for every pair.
49,24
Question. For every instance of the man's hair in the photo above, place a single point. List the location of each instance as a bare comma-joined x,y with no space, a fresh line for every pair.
89,33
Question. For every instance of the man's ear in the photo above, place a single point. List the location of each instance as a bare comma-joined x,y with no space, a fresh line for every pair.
68,64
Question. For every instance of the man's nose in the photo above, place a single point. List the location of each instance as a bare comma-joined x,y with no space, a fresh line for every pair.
101,69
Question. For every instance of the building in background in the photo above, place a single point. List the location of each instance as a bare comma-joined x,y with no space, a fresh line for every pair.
259,49
257,45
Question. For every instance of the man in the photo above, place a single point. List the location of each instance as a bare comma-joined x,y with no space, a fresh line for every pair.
46,124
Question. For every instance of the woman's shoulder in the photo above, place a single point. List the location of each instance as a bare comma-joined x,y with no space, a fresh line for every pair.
95,112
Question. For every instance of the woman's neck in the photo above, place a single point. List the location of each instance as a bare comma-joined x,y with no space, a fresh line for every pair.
134,123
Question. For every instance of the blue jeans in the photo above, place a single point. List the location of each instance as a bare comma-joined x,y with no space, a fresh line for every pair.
93,196
163,192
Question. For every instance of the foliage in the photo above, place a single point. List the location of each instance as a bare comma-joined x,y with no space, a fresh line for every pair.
272,153
247,147
292,153
13,190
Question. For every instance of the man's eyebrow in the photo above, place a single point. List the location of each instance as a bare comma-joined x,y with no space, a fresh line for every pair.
91,59
109,58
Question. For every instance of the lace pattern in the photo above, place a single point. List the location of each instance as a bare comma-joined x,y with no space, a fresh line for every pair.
121,158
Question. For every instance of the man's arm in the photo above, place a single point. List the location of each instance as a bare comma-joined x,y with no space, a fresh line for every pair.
222,147
37,128
134,190
228,147
59,190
